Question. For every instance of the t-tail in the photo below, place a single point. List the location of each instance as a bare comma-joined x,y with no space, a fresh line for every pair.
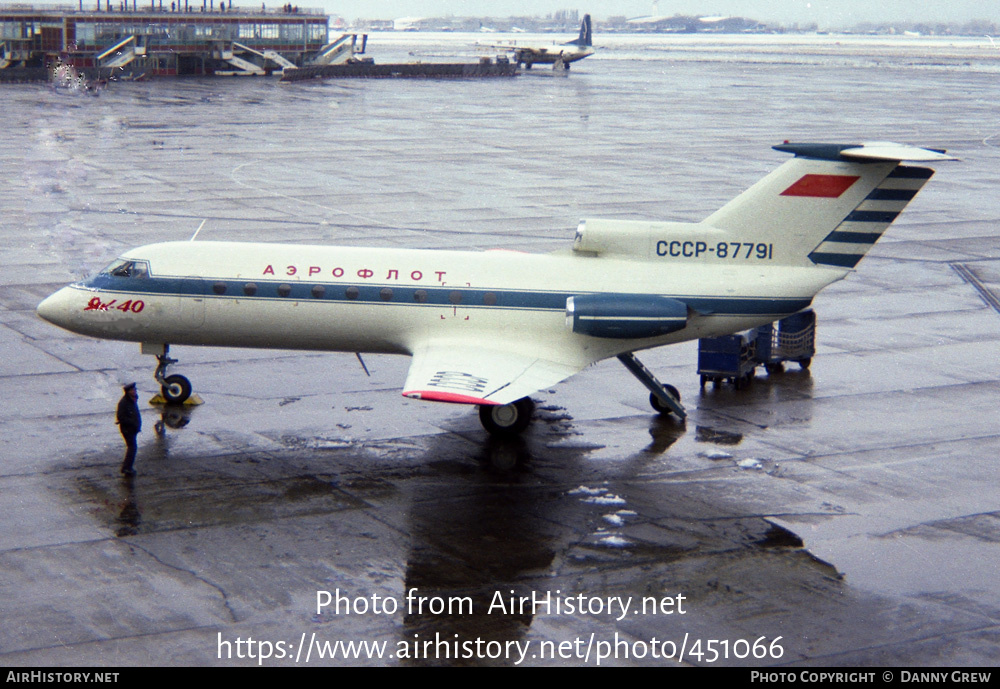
829,204
585,37
826,207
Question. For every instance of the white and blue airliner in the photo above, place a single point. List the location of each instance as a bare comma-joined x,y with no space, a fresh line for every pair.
490,328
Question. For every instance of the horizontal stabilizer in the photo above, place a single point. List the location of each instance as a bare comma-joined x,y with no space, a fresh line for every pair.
885,150
872,150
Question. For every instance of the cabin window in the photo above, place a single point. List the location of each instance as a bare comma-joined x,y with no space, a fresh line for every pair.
250,289
420,296
455,297
490,299
219,288
284,289
318,291
385,294
352,293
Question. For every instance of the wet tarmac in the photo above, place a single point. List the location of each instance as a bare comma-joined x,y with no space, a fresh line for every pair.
851,510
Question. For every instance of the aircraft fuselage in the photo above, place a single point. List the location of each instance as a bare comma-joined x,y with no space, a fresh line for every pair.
388,300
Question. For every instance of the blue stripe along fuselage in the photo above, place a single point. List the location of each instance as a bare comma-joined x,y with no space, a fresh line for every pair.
447,296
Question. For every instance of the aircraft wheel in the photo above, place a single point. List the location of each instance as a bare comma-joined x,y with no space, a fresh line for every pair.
507,419
804,364
176,389
662,409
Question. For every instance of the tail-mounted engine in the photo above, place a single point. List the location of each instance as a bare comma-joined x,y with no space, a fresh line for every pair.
625,316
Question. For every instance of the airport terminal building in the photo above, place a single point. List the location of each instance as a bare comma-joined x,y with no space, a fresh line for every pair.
112,38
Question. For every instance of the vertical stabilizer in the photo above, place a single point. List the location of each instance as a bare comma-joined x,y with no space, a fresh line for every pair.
585,39
828,205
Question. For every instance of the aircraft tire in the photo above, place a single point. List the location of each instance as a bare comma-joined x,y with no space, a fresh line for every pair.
176,389
507,419
654,401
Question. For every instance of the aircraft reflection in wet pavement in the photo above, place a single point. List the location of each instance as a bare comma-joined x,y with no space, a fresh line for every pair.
491,328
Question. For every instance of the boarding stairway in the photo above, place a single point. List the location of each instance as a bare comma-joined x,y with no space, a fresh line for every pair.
4,56
279,59
121,53
245,67
340,51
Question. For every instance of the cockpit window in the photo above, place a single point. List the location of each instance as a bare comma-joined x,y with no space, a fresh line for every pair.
127,268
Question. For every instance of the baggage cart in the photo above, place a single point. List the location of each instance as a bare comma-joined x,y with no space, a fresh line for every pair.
794,339
727,358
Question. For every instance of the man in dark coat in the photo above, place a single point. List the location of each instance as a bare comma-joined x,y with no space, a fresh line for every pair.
129,423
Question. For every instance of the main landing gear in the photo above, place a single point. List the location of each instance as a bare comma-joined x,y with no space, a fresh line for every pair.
176,389
510,419
506,419
665,399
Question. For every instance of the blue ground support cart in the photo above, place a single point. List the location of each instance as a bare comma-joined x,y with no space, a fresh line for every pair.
735,358
728,358
793,340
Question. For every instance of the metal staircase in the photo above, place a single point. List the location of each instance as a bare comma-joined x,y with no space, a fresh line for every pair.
340,51
121,53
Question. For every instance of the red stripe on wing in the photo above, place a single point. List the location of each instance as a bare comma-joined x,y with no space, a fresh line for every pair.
437,396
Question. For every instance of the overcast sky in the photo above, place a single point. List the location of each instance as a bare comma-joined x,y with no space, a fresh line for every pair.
826,13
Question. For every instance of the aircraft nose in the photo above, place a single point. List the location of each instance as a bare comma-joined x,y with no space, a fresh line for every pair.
56,308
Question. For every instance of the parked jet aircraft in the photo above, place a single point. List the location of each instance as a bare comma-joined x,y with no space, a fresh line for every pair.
491,328
564,53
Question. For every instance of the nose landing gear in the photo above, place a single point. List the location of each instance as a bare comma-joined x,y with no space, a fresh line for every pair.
176,389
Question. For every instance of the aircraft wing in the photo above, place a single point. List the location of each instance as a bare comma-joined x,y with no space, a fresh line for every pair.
466,373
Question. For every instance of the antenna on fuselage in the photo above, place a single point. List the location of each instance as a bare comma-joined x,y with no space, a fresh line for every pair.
358,354
198,230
